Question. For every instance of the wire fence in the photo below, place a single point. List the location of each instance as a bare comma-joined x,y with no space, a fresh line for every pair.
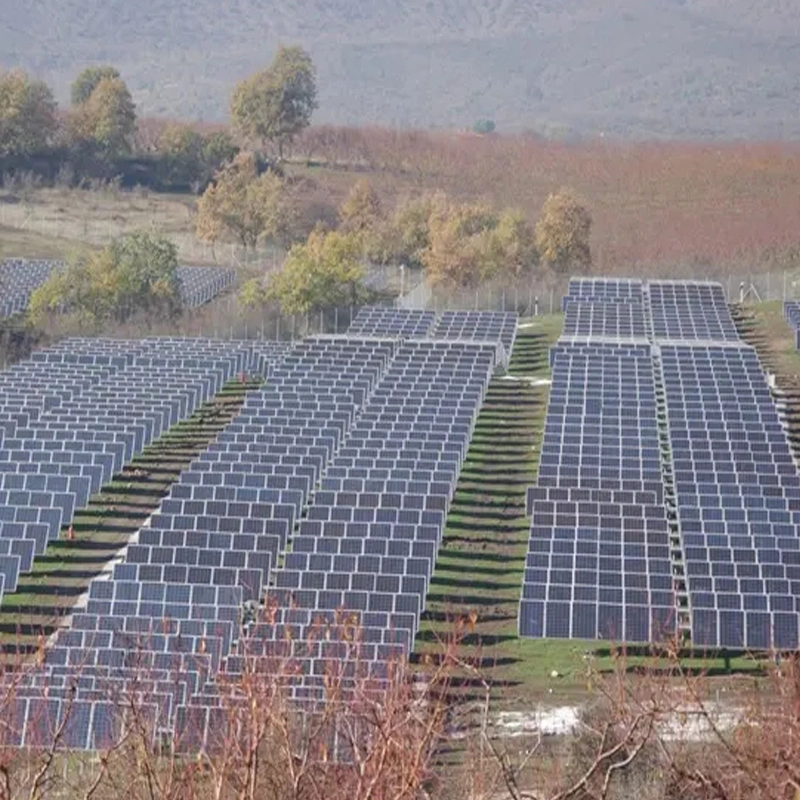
532,297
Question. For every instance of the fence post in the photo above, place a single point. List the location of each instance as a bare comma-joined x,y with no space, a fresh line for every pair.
551,299
768,285
730,278
336,319
784,286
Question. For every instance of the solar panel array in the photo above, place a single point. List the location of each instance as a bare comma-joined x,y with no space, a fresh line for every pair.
738,496
200,285
615,320
598,559
20,277
392,322
691,310
72,415
175,601
474,326
18,280
663,462
603,290
341,469
791,312
478,326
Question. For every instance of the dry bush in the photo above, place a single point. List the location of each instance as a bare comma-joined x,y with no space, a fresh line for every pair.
369,733
656,732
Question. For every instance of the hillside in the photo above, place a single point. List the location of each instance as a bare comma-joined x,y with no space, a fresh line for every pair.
633,68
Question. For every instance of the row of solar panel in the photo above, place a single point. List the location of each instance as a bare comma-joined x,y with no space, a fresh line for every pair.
763,477
61,443
735,481
602,309
494,326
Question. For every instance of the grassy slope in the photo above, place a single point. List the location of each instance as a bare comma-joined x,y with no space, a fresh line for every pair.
763,325
62,574
49,223
482,557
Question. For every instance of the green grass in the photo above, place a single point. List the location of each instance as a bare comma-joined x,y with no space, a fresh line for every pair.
479,569
773,337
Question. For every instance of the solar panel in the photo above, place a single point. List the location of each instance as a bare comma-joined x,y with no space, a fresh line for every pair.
19,278
604,320
386,321
603,290
690,310
688,403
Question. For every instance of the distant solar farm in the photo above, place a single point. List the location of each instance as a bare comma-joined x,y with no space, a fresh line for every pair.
666,500
19,278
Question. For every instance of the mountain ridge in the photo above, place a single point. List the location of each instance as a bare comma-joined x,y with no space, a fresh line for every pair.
629,69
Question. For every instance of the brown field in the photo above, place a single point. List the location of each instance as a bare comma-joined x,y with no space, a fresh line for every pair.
686,210
659,207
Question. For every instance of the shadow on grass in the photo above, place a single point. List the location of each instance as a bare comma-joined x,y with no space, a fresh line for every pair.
82,555
477,555
470,639
446,617
464,599
504,538
467,582
106,527
475,569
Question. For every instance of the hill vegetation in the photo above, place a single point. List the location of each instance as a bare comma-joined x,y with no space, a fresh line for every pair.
633,68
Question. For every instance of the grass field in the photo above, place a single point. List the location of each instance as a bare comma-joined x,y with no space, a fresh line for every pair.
763,325
50,223
660,209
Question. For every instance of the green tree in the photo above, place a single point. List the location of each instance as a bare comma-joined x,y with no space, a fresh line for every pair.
243,204
563,233
324,272
408,233
181,142
276,104
107,119
27,114
362,214
361,210
218,149
456,254
470,244
86,82
484,126
181,147
513,239
134,275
